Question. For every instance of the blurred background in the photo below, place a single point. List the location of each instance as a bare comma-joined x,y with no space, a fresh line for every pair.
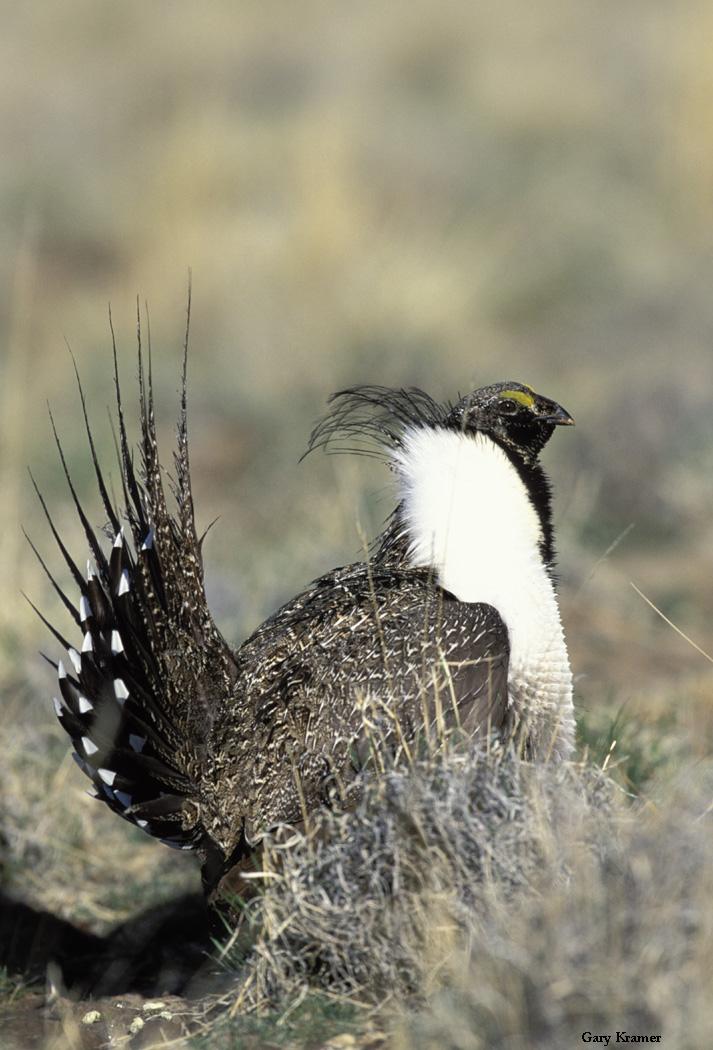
441,194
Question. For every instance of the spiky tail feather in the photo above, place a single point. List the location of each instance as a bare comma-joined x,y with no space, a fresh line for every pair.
139,694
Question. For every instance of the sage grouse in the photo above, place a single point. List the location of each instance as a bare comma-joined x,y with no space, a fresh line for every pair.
453,617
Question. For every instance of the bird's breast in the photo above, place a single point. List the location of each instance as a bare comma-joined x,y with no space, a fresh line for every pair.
468,514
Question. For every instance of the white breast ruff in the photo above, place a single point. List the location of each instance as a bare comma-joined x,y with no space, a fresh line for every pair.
468,514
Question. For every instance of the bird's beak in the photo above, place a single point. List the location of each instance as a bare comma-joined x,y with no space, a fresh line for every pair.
552,413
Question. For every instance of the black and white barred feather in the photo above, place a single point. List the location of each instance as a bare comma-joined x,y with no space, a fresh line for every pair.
135,695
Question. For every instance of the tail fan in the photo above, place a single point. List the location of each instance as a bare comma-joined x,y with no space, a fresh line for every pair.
139,694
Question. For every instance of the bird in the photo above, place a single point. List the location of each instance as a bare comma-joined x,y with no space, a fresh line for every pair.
450,620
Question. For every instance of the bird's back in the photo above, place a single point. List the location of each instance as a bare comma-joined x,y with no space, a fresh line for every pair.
361,659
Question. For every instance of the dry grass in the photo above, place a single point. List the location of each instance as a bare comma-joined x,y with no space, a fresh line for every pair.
475,901
625,942
370,904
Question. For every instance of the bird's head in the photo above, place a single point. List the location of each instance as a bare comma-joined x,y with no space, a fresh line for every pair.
512,414
373,419
379,421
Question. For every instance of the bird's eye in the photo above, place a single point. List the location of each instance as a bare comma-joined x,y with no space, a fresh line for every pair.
508,407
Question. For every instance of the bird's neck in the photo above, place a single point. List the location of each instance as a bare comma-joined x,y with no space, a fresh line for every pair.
467,512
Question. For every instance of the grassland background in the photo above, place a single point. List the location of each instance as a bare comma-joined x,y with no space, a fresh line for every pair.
442,194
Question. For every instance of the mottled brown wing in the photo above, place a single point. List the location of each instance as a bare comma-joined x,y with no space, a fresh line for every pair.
353,661
445,669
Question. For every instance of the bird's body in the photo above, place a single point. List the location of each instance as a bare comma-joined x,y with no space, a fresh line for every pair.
451,623
361,639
